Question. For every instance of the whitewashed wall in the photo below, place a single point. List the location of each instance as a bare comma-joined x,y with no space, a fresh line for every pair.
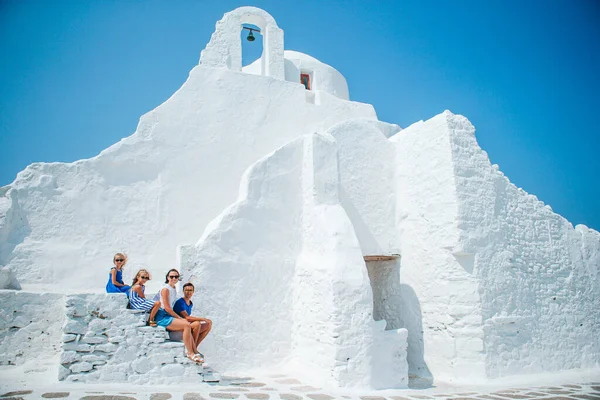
224,50
30,326
244,263
498,283
158,188
323,77
539,277
286,256
367,192
333,313
441,307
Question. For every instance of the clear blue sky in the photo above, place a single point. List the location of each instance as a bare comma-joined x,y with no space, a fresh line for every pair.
75,76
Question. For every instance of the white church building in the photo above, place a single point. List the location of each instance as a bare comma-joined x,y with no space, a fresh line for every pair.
321,240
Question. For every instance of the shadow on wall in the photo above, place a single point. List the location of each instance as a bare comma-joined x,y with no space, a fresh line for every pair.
367,241
15,229
399,306
412,319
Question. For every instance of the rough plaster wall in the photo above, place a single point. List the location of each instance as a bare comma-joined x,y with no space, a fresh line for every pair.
366,168
440,299
335,339
244,263
286,255
323,77
159,187
224,49
30,326
539,277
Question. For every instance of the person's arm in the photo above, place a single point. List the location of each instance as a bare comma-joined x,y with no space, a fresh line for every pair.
189,318
139,291
113,274
164,294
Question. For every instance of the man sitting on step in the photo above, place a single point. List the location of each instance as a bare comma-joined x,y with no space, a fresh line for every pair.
200,326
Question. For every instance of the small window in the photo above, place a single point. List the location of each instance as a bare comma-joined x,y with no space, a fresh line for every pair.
305,80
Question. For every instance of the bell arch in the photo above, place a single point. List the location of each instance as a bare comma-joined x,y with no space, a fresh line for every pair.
224,50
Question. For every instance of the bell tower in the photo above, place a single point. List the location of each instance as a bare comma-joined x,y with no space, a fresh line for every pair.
225,48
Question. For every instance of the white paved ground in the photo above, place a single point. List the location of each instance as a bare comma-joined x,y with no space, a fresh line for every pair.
38,381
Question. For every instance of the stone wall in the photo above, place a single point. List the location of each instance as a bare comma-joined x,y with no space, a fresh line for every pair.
538,275
30,326
104,342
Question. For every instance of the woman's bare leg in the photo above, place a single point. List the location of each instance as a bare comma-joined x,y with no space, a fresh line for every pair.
183,325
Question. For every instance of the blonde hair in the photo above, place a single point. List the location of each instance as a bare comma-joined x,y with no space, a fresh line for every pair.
123,256
138,274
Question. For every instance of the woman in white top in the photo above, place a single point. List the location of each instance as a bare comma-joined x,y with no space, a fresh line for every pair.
169,319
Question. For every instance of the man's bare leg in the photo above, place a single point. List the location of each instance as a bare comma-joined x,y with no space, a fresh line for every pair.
204,330
196,329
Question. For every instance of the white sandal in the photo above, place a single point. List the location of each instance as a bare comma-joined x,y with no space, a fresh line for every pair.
195,358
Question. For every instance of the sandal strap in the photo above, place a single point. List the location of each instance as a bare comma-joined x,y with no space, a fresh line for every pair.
195,358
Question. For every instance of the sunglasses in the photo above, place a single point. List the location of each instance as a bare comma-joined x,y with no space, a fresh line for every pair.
173,276
145,277
119,260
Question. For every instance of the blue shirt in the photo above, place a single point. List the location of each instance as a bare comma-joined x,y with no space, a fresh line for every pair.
180,305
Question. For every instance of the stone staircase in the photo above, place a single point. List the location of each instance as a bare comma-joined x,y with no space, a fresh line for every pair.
102,341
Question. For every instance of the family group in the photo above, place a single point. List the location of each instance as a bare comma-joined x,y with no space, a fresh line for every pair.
167,308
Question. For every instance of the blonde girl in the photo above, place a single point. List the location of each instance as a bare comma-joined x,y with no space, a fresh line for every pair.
138,300
115,276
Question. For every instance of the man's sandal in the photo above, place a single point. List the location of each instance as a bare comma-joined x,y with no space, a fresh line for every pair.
201,357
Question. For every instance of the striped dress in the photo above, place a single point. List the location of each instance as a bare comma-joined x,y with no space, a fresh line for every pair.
139,303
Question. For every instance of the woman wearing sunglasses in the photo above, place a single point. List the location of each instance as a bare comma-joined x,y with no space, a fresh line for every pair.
115,276
138,300
170,319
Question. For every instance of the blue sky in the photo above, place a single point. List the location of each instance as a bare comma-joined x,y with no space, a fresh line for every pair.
75,76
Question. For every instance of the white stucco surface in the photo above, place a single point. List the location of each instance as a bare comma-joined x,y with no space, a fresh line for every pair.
538,276
366,168
225,48
159,187
440,301
266,268
323,77
244,263
497,282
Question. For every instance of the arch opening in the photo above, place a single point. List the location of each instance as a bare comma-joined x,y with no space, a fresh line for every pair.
252,51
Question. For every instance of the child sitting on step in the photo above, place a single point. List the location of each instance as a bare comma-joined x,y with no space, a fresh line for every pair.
115,276
138,300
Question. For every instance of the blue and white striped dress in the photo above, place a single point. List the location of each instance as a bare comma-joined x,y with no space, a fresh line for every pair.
139,303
